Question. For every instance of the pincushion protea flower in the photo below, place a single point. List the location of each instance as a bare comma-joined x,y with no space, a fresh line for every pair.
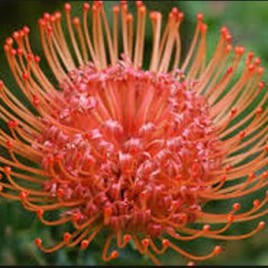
132,150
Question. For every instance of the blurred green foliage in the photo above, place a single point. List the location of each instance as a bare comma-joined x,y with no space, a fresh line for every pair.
248,21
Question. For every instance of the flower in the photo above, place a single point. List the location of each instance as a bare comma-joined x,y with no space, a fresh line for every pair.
131,150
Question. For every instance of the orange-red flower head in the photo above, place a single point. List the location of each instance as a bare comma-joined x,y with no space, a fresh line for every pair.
133,150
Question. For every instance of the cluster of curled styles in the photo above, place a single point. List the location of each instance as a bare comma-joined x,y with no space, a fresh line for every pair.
137,153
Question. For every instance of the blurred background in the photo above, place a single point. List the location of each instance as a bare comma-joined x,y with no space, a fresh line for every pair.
248,22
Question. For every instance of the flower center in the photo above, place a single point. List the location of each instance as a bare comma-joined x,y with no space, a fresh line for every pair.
135,147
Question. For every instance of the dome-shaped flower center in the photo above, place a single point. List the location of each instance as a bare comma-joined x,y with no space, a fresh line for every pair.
134,146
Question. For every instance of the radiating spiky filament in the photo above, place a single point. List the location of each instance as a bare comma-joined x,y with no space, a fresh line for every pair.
138,153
